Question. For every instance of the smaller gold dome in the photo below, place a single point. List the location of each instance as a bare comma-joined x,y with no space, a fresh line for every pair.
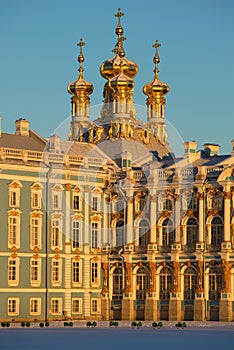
156,86
80,86
121,80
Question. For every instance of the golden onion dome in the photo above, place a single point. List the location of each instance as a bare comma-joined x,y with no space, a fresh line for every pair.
111,67
80,86
121,80
156,86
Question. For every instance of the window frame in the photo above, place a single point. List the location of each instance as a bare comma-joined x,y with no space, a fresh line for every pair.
79,274
80,306
15,281
38,312
59,300
37,282
17,305
96,301
56,270
16,242
54,232
33,217
95,273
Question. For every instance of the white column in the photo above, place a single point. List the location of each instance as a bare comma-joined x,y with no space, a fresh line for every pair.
105,233
227,217
177,219
129,225
201,218
67,261
86,229
153,238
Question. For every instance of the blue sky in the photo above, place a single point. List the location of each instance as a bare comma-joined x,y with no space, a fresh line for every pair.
39,58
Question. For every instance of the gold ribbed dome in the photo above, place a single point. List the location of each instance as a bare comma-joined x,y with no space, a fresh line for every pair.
121,81
80,86
156,86
111,67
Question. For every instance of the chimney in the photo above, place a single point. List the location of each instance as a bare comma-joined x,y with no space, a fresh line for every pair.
211,149
190,148
54,144
22,127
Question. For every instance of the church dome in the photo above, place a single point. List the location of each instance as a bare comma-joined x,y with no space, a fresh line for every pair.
156,86
80,86
111,67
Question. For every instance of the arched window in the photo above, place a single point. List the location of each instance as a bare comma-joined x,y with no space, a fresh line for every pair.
168,233
166,283
190,283
216,232
142,283
120,233
192,233
167,205
117,284
215,283
144,234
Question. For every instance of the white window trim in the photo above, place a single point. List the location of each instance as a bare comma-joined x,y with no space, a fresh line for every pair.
14,186
14,214
78,219
60,219
77,284
60,306
38,313
59,282
38,282
97,282
36,215
34,192
98,306
80,306
57,190
98,235
16,313
77,193
16,281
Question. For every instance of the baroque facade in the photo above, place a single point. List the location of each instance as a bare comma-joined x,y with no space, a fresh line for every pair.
110,224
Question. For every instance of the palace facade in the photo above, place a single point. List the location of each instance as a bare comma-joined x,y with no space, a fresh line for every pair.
110,224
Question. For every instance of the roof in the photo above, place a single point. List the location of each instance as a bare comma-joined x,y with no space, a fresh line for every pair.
33,142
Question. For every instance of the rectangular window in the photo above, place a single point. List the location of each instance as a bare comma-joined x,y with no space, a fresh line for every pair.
13,228
75,272
56,272
13,307
13,271
95,204
94,306
75,234
76,306
94,235
76,202
35,229
56,201
13,199
36,200
56,228
35,272
56,306
35,306
94,272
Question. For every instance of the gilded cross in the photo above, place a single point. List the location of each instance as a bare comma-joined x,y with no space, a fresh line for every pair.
156,46
80,44
119,14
